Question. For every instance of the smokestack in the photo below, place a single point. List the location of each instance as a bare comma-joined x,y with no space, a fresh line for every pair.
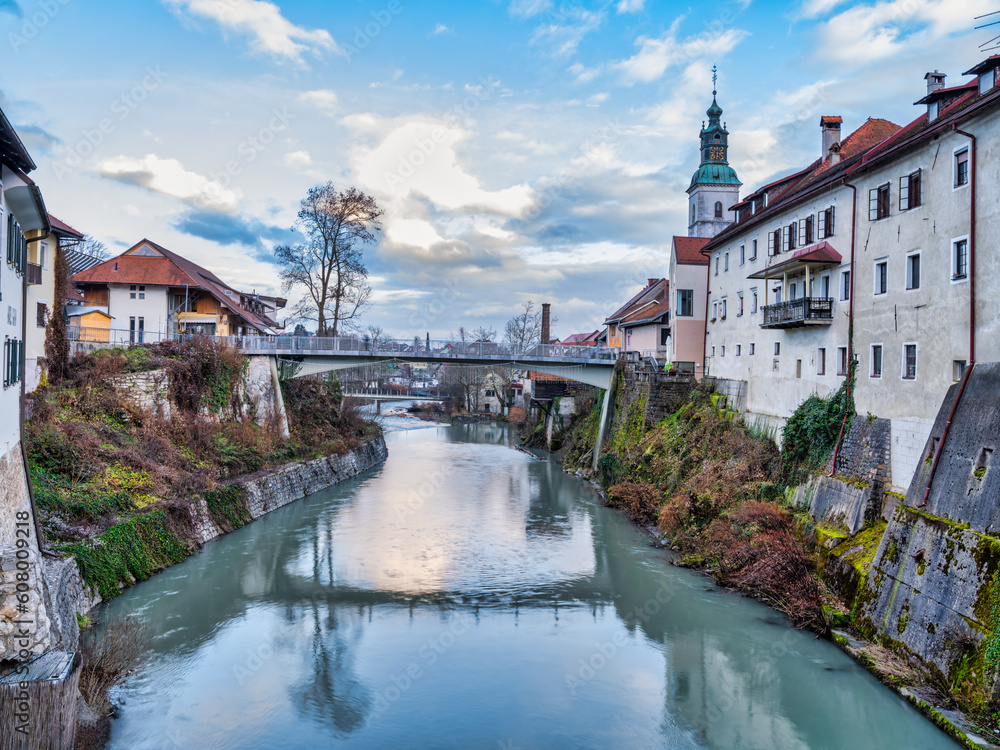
935,81
546,322
835,153
830,128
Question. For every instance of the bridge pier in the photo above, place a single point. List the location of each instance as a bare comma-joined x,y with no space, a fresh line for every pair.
602,425
378,407
279,400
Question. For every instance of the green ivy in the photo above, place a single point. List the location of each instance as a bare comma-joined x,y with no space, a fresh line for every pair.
228,507
812,431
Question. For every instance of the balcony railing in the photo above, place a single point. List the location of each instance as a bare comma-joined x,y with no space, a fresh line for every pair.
799,312
34,273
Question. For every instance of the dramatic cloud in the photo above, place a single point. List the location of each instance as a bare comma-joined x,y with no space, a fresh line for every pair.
868,33
226,229
270,33
169,177
656,56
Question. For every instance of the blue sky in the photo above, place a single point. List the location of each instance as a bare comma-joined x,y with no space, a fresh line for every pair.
522,149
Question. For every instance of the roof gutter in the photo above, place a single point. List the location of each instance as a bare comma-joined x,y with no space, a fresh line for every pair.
972,314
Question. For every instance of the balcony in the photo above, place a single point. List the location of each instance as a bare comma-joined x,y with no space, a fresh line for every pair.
805,311
34,273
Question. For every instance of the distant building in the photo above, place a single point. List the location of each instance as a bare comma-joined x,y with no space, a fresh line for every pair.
688,277
643,323
151,292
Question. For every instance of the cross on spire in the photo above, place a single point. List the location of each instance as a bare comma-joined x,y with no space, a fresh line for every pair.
715,77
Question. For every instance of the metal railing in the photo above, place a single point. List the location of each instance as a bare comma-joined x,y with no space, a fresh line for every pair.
798,312
359,346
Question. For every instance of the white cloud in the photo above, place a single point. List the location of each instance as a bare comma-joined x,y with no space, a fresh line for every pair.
814,8
866,33
322,99
440,29
528,8
583,74
657,55
169,177
269,31
297,159
631,6
568,30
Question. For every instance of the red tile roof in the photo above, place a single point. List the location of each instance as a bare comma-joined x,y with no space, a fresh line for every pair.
61,227
823,252
650,304
688,250
581,339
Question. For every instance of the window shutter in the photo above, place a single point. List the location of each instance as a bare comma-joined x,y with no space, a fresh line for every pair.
873,204
915,187
829,220
809,229
904,193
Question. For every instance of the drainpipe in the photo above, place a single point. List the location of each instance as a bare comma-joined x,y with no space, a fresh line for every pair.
704,348
850,323
972,314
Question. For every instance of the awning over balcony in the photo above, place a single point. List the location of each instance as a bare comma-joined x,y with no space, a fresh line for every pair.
821,254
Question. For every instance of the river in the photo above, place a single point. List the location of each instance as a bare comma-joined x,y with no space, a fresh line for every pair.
465,595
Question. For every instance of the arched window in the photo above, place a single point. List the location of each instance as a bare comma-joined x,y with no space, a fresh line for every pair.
692,213
718,138
718,209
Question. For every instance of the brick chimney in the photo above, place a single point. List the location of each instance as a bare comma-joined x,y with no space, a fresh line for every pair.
830,127
935,81
650,282
546,321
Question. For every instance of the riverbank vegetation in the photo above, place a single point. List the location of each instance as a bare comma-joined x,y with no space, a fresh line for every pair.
713,488
115,478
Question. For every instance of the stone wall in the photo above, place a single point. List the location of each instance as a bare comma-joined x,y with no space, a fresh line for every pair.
837,504
865,452
25,626
665,397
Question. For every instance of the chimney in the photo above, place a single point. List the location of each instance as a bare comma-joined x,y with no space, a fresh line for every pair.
835,153
935,81
546,320
830,127
651,282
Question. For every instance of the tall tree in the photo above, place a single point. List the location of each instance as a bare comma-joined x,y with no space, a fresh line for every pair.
330,264
56,336
525,328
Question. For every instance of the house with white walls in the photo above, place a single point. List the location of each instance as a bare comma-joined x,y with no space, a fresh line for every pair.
876,238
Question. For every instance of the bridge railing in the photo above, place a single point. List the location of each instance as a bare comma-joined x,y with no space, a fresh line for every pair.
355,345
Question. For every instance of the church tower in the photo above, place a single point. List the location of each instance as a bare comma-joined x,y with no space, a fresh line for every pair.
715,188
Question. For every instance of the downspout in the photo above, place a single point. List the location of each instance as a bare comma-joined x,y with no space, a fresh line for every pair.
850,325
704,348
972,314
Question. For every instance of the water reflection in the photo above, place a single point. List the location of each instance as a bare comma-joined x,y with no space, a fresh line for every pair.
467,595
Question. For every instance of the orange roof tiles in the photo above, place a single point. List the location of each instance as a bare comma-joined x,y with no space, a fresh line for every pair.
688,250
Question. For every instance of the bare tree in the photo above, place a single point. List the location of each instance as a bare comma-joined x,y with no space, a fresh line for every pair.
330,264
93,247
376,336
525,328
484,333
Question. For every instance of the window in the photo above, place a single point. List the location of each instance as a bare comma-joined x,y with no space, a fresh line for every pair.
909,361
738,349
43,252
962,167
824,286
41,314
685,302
753,249
806,231
958,369
142,292
716,265
725,263
841,360
788,237
845,285
739,305
821,361
876,371
825,228
17,246
881,276
743,254
792,289
715,310
777,348
909,191
718,209
913,271
722,308
665,336
878,202
713,351
798,368
753,301
752,347
13,362
131,292
131,330
722,351
959,259
692,213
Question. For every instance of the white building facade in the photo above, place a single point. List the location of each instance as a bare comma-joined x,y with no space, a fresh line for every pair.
881,232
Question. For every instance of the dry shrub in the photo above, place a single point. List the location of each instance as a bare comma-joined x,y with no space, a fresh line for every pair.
517,416
754,549
110,654
676,513
639,500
